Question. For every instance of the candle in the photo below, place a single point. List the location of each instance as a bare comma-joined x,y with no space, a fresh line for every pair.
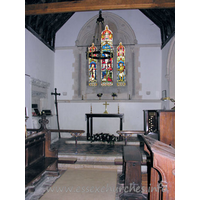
118,108
26,112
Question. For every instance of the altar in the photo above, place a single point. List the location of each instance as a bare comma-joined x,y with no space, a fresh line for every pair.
90,116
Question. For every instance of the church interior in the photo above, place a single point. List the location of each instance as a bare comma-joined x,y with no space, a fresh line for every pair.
99,99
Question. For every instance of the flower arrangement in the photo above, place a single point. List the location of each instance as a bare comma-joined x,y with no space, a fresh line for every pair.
99,95
114,95
104,137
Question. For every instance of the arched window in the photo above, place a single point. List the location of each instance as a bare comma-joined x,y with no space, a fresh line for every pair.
88,84
106,64
121,70
92,66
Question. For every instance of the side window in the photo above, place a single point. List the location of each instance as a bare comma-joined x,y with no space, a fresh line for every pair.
92,66
121,69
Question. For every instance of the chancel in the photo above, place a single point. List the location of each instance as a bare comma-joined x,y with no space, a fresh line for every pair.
111,62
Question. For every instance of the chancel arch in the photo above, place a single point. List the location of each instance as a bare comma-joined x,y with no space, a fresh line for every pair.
122,32
170,74
171,69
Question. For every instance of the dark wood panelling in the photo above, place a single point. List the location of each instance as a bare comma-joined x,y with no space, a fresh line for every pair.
55,13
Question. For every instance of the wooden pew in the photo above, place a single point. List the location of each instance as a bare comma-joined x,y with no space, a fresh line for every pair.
132,161
161,169
40,159
132,165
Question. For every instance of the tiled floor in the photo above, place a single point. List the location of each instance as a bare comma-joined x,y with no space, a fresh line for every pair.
86,147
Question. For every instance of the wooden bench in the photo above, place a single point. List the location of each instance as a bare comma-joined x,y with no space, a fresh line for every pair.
132,165
127,133
161,168
132,160
74,133
39,159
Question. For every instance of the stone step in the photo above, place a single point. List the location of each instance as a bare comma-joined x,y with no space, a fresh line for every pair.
94,157
63,166
94,161
110,166
89,157
67,160
136,143
89,161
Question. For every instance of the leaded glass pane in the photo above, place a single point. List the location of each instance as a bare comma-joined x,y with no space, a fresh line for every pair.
121,71
92,67
107,63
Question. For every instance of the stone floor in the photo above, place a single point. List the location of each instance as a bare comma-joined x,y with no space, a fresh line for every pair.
85,152
41,188
89,148
67,145
47,182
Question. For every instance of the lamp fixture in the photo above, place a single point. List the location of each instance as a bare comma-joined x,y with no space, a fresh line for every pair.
101,53
169,99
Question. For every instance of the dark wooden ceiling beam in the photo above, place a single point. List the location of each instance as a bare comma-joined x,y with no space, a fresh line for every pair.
92,5
64,18
164,19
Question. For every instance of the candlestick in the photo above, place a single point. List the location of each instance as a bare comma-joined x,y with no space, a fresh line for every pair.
26,112
90,108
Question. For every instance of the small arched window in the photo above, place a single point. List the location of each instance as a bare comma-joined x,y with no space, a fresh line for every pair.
121,70
92,66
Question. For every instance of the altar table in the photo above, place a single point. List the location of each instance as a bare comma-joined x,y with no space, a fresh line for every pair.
90,116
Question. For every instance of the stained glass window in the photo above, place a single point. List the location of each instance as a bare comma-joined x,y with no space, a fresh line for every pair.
92,67
107,63
121,70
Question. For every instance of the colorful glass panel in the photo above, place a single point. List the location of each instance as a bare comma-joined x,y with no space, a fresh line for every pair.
92,67
107,63
121,70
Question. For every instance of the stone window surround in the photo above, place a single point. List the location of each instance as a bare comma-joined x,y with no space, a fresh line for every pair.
122,32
